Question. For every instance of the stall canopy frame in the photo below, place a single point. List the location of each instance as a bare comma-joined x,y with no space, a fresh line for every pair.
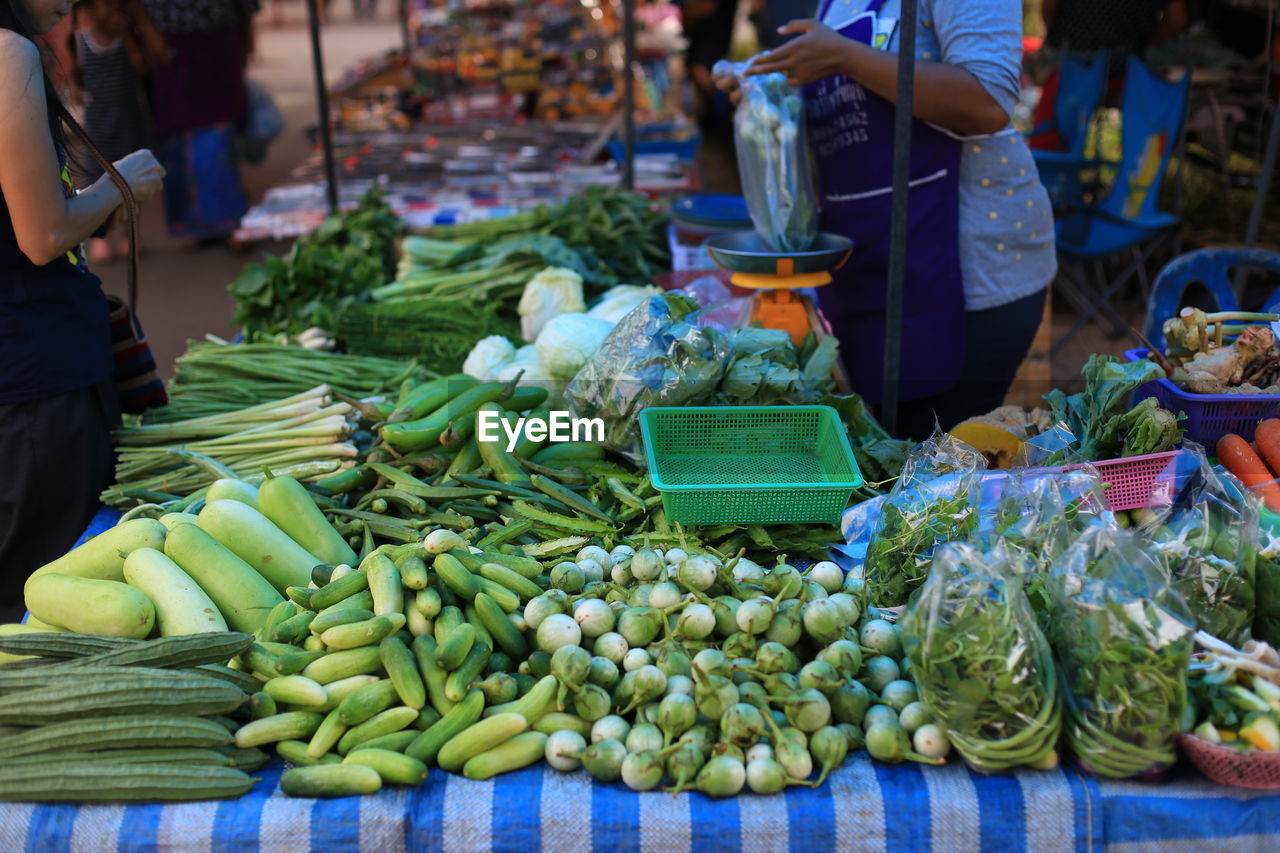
322,107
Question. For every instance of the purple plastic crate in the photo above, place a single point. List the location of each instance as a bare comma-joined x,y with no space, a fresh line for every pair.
1210,416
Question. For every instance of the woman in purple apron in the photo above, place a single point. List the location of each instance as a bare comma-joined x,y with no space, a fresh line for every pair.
980,239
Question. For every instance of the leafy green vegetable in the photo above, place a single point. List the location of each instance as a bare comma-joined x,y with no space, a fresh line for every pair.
1266,617
1122,638
767,369
984,669
1097,417
325,270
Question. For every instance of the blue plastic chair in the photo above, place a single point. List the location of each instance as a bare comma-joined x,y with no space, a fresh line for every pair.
1081,83
1207,267
1126,219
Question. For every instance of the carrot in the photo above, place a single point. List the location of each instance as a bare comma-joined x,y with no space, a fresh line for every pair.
1238,458
1267,437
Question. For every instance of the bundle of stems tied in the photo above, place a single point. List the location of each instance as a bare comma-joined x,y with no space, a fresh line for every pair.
306,436
213,377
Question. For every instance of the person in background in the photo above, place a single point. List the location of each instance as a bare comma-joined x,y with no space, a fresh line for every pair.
57,397
110,45
980,244
708,26
365,9
200,101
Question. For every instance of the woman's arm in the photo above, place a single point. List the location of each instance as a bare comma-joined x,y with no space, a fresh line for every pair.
46,223
946,95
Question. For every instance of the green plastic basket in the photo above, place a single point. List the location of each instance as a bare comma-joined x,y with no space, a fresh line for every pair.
749,464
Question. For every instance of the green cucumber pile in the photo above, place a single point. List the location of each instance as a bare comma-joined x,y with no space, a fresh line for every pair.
89,719
675,669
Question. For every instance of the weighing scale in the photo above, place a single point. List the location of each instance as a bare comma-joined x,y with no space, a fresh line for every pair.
776,274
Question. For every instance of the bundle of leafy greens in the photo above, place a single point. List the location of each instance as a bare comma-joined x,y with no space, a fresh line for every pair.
767,369
1209,541
1266,616
934,501
327,268
1103,427
1122,639
984,669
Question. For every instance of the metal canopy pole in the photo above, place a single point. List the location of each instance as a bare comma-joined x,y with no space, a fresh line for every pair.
322,107
628,94
405,35
898,235
1264,180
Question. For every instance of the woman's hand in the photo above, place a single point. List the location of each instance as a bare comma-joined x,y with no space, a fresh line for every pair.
143,173
818,53
729,84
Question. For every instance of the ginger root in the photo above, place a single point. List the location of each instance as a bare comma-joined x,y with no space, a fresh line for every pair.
1220,368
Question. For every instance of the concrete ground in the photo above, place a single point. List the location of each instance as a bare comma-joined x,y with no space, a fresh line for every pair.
183,289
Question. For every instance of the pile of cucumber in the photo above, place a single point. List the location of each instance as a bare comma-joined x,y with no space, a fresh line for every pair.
91,719
641,665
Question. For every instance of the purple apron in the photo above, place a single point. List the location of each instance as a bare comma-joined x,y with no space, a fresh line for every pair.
851,133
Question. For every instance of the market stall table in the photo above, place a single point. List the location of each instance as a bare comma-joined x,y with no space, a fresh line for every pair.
864,806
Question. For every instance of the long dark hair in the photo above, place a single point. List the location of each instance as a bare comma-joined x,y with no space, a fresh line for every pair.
13,16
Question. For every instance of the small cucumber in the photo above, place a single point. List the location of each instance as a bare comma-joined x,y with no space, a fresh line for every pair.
477,738
389,721
428,603
333,618
296,690
512,580
366,702
261,706
396,741
330,780
455,576
344,664
482,633
452,651
358,634
559,721
326,735
433,677
447,622
384,584
494,618
293,629
413,571
294,662
459,681
395,768
294,725
340,589
295,752
520,751
341,689
505,598
463,715
398,661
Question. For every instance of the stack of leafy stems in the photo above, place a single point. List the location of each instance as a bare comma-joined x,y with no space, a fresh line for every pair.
304,436
1131,689
1016,718
216,378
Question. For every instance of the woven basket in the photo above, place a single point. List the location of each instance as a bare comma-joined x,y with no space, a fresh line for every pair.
1227,766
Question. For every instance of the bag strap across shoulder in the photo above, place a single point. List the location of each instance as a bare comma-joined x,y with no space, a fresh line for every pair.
126,192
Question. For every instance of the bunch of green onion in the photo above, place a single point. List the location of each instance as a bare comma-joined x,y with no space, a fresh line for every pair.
306,436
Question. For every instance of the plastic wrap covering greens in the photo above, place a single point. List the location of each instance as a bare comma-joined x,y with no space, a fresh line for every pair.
773,159
1122,639
935,500
1209,540
984,669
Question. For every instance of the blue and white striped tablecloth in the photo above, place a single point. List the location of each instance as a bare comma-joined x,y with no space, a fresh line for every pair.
865,806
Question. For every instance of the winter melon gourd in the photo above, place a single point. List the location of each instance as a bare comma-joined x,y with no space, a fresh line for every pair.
90,606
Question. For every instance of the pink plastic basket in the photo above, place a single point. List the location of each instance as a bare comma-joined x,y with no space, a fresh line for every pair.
1134,481
1226,766
1210,416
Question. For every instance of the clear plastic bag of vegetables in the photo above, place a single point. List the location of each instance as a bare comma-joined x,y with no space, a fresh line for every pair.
984,669
1122,640
773,159
935,500
1209,539
660,354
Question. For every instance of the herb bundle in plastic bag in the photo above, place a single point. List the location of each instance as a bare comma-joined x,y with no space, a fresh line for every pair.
1209,539
983,667
773,159
934,501
1122,639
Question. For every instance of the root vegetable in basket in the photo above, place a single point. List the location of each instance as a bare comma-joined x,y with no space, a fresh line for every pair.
1221,368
